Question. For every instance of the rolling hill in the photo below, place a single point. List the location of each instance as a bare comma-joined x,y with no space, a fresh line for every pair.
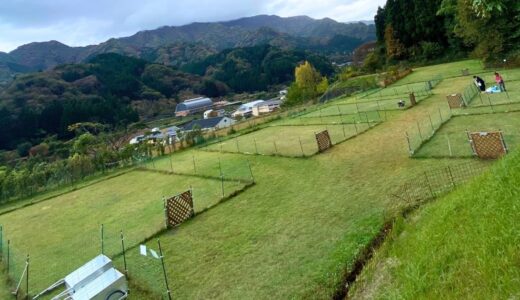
179,45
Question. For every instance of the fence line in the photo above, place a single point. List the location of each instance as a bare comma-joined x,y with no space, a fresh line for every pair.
434,183
421,134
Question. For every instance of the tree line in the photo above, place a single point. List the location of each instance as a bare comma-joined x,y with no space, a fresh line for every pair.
424,30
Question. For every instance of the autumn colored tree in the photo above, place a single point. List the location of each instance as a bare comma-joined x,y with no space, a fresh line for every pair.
308,84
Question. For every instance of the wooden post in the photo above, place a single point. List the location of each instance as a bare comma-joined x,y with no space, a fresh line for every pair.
275,148
194,166
256,147
440,115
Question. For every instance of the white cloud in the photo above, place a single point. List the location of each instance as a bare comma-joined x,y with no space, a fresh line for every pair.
80,23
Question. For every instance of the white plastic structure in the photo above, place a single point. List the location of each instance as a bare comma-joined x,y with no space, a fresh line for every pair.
95,280
111,285
88,272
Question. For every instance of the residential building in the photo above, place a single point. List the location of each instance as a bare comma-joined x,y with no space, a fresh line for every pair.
246,110
266,107
209,124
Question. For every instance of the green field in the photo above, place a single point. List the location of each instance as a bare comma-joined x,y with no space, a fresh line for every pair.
285,140
451,140
464,246
294,234
68,226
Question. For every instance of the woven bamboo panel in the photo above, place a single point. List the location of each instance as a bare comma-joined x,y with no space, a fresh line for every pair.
488,145
179,208
323,140
455,101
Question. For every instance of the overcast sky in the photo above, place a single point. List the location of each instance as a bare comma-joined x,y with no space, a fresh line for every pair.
84,22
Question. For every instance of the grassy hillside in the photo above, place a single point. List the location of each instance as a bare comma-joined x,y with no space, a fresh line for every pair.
463,246
293,235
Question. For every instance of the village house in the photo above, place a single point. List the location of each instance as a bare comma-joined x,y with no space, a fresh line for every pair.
209,124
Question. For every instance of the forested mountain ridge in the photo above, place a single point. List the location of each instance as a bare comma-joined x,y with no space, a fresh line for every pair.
178,45
117,90
110,89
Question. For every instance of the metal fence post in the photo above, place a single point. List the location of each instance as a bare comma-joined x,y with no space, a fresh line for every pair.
102,240
431,124
410,151
1,242
449,144
123,252
250,171
419,129
164,270
27,279
8,260
301,146
222,185
429,185
451,177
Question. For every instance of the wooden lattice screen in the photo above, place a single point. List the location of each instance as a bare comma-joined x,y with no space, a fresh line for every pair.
455,101
488,145
178,208
323,140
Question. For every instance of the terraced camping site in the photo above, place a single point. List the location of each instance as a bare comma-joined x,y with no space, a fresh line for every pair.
304,224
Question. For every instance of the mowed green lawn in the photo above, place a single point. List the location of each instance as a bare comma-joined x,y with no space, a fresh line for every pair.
453,134
334,115
463,246
447,71
285,140
293,234
63,233
489,99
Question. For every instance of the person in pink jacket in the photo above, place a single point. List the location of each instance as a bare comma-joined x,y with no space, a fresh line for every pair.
500,81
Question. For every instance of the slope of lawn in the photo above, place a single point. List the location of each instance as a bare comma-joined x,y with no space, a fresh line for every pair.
452,140
292,235
295,232
62,233
463,246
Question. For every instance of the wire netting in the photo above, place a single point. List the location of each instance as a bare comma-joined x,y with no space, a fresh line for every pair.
437,182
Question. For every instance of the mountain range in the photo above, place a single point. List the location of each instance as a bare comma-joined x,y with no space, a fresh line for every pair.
179,45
